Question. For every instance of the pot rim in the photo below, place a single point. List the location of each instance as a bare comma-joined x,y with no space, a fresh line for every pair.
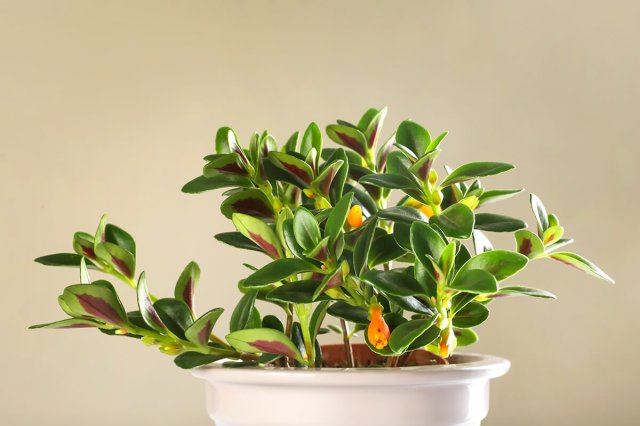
473,367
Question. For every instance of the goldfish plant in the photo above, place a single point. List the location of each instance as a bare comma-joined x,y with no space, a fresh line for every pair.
414,275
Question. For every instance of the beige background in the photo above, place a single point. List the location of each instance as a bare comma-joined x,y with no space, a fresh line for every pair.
107,106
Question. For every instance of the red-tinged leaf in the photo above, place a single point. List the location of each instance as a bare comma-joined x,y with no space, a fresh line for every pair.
68,324
330,281
227,142
372,131
98,300
122,260
260,233
528,243
147,310
251,202
260,340
580,263
349,137
201,329
423,166
83,244
383,153
226,164
322,183
297,168
186,285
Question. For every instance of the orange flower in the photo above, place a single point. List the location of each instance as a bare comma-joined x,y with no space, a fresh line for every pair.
426,210
354,218
378,332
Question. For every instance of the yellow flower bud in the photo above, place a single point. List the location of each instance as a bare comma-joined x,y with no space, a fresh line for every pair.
354,218
433,177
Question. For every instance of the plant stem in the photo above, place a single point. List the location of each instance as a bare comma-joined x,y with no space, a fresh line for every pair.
287,331
347,343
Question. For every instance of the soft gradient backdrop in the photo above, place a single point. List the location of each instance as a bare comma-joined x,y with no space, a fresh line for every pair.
108,107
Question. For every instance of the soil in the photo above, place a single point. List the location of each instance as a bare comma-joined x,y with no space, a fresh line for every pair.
335,356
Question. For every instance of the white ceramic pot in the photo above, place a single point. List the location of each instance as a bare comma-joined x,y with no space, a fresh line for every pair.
434,395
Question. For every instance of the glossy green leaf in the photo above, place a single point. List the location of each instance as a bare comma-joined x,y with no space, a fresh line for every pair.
426,241
188,360
259,340
402,214
306,229
294,166
348,136
317,317
175,314
540,213
199,332
406,333
431,334
226,141
581,263
120,237
474,170
337,185
391,181
147,311
322,183
528,244
552,234
393,282
251,202
526,291
229,164
465,336
422,167
474,281
348,312
186,285
311,139
500,263
560,243
498,223
260,233
84,245
460,300
242,313
272,321
413,137
294,292
338,217
98,300
455,221
384,249
363,246
276,271
62,259
471,315
447,259
236,239
495,195
202,183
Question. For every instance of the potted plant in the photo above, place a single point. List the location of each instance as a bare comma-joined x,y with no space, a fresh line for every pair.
413,277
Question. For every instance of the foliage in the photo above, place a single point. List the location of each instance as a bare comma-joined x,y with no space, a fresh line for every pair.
418,275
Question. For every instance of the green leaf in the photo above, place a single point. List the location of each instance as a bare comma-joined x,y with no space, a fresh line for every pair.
295,292
84,244
426,241
528,244
337,217
228,164
306,229
242,313
186,285
393,282
272,321
188,360
202,183
391,181
226,141
260,340
147,311
199,332
295,167
372,130
260,233
475,281
348,312
423,166
349,137
411,304
407,332
120,237
465,336
62,259
460,300
276,271
312,138
363,246
68,323
540,213
455,221
498,223
322,183
471,315
560,243
384,249
447,258
413,137
290,239
581,263
122,260
402,214
251,202
362,197
474,170
494,195
424,339
98,300
236,239
175,314
84,272
526,291
337,185
500,263
552,234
